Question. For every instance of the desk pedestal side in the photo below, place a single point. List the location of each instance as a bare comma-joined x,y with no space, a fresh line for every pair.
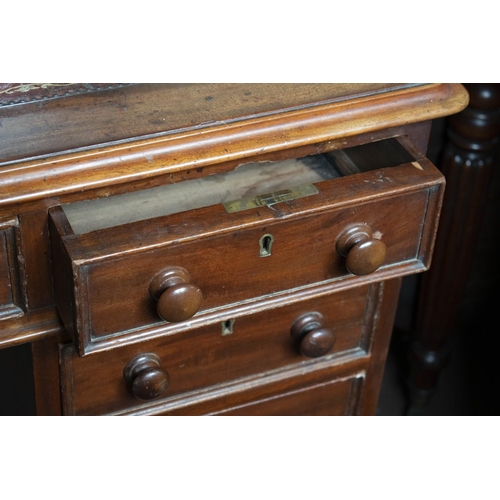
467,164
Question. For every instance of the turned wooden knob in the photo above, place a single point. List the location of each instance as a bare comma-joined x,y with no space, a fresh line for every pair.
315,341
364,253
178,299
148,380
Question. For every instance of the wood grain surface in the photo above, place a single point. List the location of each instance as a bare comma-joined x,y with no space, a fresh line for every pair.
204,357
222,142
258,270
101,115
102,278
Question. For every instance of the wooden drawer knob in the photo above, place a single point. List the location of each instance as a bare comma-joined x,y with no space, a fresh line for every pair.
315,341
148,380
364,253
178,299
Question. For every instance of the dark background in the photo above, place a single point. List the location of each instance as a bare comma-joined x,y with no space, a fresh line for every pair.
470,380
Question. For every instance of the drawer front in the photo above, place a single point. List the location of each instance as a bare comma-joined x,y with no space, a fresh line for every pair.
10,294
111,298
320,389
228,269
154,277
208,357
318,393
330,398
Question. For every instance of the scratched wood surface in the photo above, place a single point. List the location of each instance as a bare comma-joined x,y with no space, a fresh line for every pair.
222,143
148,109
102,277
74,149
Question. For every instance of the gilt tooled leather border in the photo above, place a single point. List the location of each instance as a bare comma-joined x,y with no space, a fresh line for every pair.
20,93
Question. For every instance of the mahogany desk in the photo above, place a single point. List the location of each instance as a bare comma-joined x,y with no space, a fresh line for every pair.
223,249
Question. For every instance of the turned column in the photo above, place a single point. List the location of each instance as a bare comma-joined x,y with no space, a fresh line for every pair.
467,164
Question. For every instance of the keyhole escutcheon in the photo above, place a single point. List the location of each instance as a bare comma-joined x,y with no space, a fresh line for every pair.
266,243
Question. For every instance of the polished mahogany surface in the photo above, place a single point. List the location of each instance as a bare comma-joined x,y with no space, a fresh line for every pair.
278,303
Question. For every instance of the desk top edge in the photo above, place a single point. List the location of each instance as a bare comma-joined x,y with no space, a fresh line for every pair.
226,140
125,113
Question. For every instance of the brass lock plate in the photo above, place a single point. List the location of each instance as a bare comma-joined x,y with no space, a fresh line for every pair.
271,198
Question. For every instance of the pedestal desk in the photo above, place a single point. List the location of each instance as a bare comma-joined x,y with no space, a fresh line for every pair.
213,249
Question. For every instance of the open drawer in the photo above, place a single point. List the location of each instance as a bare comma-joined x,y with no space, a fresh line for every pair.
156,262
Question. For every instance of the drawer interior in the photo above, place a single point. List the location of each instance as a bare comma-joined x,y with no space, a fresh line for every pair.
248,186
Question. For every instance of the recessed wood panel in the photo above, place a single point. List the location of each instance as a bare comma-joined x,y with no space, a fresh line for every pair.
10,293
320,389
327,399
